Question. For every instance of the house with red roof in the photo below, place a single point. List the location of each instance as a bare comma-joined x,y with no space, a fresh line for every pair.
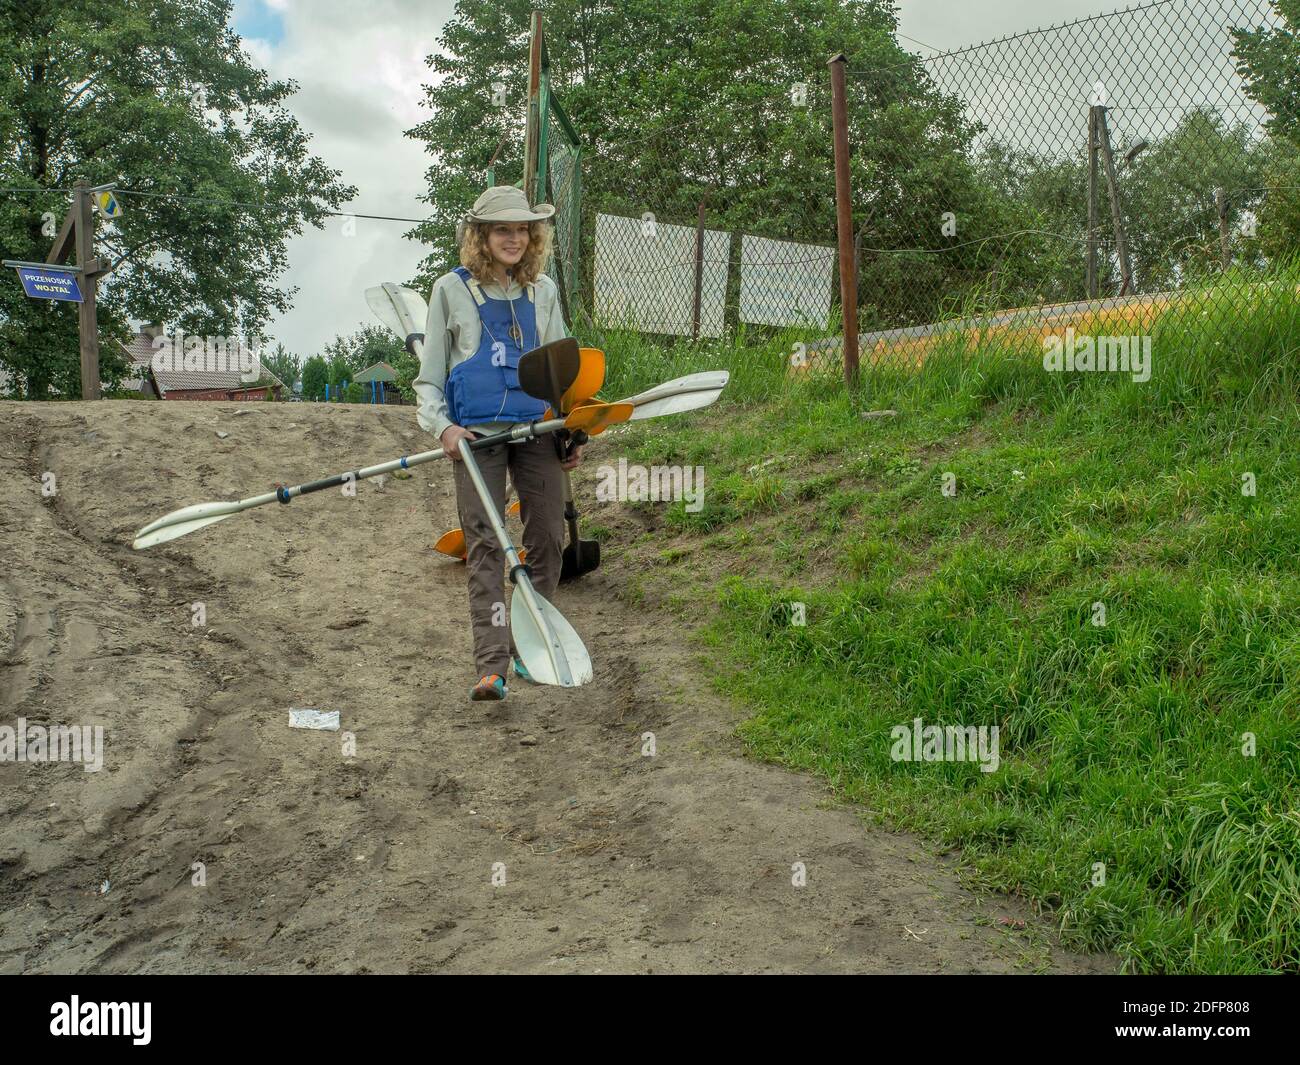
178,383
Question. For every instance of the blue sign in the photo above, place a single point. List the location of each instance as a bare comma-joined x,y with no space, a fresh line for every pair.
49,284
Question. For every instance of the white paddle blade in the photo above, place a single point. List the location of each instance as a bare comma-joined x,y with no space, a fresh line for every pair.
176,530
198,510
684,401
532,643
705,381
403,310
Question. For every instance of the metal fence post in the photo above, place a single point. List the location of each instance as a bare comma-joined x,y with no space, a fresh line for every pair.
844,220
699,271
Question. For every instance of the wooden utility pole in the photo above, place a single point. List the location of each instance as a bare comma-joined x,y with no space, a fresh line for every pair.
534,117
78,233
1127,286
1092,280
1225,247
86,315
844,219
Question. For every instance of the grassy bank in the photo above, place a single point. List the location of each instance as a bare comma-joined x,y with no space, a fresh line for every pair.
1126,800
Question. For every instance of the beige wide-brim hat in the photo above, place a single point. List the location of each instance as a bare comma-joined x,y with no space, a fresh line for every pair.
503,203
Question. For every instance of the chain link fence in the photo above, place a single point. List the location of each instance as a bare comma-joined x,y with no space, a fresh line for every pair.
674,249
560,162
1094,176
1113,171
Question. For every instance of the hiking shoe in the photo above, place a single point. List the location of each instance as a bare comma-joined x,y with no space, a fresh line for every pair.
521,671
491,688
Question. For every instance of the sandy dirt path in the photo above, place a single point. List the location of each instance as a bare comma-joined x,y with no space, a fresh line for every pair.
384,861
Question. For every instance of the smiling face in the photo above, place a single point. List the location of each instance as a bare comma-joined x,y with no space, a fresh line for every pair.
507,241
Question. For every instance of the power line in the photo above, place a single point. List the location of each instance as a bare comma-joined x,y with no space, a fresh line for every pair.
225,203
237,203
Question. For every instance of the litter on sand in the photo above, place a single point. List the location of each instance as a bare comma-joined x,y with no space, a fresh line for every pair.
317,719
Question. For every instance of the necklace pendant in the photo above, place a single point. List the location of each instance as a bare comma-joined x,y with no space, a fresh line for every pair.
516,334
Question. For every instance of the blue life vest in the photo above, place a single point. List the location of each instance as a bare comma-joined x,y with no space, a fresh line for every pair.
485,387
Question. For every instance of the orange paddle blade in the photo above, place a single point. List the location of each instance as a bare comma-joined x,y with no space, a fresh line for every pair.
591,375
452,543
595,418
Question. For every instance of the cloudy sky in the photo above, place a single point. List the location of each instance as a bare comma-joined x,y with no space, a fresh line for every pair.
359,68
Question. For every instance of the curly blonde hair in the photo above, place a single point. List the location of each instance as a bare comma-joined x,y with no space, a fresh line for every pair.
477,258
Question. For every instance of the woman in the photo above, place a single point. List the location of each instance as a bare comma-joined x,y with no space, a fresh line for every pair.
482,317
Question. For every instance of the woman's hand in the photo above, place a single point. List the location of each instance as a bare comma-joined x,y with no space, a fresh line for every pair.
451,438
572,461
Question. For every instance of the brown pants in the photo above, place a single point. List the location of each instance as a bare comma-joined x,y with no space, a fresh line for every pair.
539,481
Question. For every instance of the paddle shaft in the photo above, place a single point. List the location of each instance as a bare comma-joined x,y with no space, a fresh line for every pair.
509,436
518,571
668,398
570,508
571,513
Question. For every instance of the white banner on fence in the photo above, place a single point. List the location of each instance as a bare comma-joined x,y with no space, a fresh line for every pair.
783,283
645,276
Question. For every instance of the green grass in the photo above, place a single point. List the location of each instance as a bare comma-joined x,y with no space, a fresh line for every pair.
757,361
1121,744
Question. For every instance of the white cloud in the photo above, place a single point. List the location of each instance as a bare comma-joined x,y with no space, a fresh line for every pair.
359,69
259,51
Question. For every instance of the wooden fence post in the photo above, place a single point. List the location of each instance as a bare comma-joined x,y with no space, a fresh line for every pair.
87,319
1127,284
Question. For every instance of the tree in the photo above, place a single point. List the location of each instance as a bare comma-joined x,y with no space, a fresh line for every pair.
159,96
284,364
340,371
1269,62
1278,222
1034,208
407,367
368,345
315,376
345,356
1169,196
665,120
1268,59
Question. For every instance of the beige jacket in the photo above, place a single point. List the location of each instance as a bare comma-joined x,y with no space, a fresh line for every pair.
452,332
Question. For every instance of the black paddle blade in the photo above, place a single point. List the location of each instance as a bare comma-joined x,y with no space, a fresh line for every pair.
572,566
548,371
